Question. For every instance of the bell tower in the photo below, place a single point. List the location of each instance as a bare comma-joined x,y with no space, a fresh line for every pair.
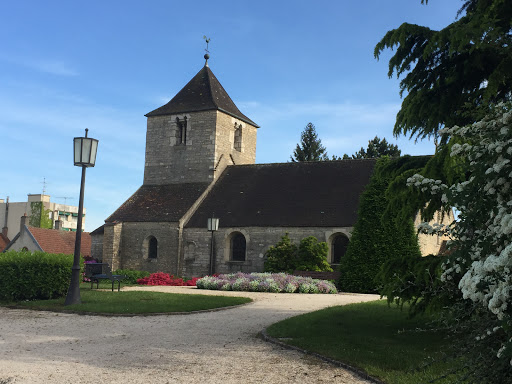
193,137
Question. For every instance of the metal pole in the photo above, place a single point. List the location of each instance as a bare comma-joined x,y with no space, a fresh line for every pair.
211,256
73,296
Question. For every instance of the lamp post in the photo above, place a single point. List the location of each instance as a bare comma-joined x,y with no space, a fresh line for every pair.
85,156
213,225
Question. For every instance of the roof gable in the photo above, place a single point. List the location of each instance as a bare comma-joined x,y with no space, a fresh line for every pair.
303,194
204,92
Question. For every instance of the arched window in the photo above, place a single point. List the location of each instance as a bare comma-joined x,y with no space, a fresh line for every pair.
152,248
238,138
339,247
238,247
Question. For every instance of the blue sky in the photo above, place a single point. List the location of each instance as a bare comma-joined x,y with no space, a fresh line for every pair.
66,66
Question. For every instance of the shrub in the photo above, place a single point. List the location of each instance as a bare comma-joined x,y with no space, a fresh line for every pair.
282,256
131,275
34,275
161,278
312,255
285,256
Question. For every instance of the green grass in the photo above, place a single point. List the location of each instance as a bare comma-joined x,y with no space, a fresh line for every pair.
378,339
137,302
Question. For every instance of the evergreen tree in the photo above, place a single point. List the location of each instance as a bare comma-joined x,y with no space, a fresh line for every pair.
376,148
376,237
450,76
310,147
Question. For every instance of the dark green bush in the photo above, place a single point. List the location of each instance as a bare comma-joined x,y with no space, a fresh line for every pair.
34,275
413,280
312,255
131,275
285,256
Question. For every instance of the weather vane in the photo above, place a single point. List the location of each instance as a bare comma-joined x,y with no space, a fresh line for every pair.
207,39
207,54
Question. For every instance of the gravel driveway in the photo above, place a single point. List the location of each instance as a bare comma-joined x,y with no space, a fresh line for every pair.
211,347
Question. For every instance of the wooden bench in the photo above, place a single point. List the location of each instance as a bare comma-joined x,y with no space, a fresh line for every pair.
98,271
319,275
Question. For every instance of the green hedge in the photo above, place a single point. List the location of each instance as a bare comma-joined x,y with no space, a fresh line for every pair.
34,275
131,275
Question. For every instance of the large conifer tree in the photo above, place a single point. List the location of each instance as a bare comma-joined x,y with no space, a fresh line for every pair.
310,147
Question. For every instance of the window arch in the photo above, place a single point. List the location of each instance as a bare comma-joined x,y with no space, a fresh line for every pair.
238,247
150,248
153,248
339,247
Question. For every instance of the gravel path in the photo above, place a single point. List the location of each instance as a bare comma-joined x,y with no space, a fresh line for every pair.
212,347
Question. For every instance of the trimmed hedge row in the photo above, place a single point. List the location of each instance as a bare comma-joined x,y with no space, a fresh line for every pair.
34,275
131,275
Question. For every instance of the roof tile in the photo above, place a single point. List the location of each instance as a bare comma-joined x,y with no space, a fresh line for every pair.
303,194
57,241
204,92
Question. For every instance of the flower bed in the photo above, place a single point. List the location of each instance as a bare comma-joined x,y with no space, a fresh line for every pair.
265,282
161,278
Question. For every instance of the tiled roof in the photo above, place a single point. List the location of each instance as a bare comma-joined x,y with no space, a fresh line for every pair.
3,241
302,194
57,241
162,203
204,92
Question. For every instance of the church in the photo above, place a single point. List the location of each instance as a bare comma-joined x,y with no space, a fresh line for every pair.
200,164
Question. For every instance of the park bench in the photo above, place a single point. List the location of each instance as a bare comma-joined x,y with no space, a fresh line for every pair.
319,275
98,271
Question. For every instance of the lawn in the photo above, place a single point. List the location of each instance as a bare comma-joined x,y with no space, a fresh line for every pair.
373,337
136,302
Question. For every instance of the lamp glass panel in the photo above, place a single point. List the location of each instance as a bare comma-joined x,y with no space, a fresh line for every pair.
77,149
94,149
86,150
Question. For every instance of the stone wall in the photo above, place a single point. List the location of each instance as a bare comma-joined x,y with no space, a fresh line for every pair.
209,147
97,246
226,152
133,249
168,162
430,244
112,244
197,249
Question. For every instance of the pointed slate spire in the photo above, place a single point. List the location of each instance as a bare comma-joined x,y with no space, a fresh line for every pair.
204,92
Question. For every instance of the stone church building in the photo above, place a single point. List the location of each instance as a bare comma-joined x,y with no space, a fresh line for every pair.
200,163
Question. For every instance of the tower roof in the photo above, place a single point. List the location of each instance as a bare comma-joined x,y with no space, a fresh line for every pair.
203,93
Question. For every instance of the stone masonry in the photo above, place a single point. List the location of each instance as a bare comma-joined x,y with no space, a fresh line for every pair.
209,147
197,249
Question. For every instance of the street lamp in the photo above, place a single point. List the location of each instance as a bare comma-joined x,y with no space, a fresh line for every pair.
85,156
213,225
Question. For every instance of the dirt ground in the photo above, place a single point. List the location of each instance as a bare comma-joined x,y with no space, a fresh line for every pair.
209,347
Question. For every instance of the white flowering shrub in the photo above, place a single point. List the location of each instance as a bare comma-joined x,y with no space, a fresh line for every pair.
481,246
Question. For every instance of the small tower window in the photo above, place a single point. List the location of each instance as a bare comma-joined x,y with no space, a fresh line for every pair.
238,138
181,130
